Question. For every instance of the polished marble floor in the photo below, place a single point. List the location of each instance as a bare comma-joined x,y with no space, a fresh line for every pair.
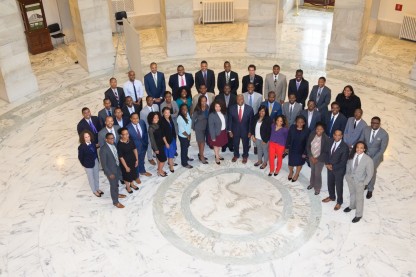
227,220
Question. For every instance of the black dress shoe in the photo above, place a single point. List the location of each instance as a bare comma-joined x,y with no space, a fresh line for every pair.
369,194
309,187
223,150
276,173
218,162
316,192
366,187
175,164
356,219
347,210
191,160
189,166
221,159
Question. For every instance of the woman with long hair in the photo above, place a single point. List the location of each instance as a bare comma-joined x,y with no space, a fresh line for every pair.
129,159
184,134
348,101
260,135
200,124
277,142
217,126
156,141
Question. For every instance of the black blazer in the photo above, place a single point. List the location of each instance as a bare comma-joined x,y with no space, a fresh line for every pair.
87,155
126,112
258,83
167,132
234,83
83,125
265,129
199,80
302,93
339,158
325,141
348,106
232,101
125,119
121,97
174,83
339,124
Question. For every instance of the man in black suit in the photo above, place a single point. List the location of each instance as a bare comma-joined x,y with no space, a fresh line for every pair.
90,123
130,107
228,77
311,115
335,120
229,99
115,94
254,79
336,165
299,87
119,119
240,117
205,77
107,111
180,79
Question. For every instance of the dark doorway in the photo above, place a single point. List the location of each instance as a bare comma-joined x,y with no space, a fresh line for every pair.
324,3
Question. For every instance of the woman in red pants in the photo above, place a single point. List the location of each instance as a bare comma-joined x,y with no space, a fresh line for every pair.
277,143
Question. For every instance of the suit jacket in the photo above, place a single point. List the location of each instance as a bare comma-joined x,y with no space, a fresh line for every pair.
234,83
351,134
108,162
323,101
232,101
276,109
301,93
150,86
143,142
104,131
102,115
363,173
87,155
83,125
210,84
295,112
209,95
339,158
338,124
257,99
279,88
121,97
238,128
257,81
378,146
265,128
145,112
124,121
316,117
126,112
215,124
325,145
175,85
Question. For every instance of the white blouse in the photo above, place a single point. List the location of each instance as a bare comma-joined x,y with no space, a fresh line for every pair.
222,120
257,133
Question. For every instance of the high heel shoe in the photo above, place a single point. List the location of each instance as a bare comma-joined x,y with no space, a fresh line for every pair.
276,173
162,175
129,191
172,170
270,174
135,187
217,162
221,158
203,161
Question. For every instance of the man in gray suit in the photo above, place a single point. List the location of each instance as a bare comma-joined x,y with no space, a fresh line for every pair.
291,109
321,94
360,169
311,115
107,111
354,128
252,99
108,128
276,82
377,140
151,107
111,167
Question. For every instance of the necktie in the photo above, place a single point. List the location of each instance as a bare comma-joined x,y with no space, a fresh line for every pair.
135,92
251,79
297,85
333,148
155,79
372,136
114,150
331,123
275,80
182,82
227,74
318,95
290,112
356,162
92,126
151,109
205,77
115,94
138,133
240,114
270,108
251,100
227,100
109,113
355,124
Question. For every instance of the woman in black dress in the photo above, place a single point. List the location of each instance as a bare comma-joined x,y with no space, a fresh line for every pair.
127,153
348,101
296,146
156,141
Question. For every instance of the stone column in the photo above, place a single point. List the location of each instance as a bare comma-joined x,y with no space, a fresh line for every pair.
95,49
16,76
262,26
349,30
413,72
178,27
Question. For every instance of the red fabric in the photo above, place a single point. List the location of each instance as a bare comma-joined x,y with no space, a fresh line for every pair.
275,150
240,114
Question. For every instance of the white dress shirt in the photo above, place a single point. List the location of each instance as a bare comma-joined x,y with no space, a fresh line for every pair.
120,123
111,131
335,146
310,115
129,89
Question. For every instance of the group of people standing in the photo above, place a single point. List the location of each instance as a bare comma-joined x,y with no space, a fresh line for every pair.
304,129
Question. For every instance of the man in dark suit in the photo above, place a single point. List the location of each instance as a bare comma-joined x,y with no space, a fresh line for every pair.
154,84
115,94
321,94
273,108
254,79
180,79
130,107
240,117
205,77
107,111
228,77
336,164
111,167
227,97
119,119
311,115
138,133
335,120
90,123
299,87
